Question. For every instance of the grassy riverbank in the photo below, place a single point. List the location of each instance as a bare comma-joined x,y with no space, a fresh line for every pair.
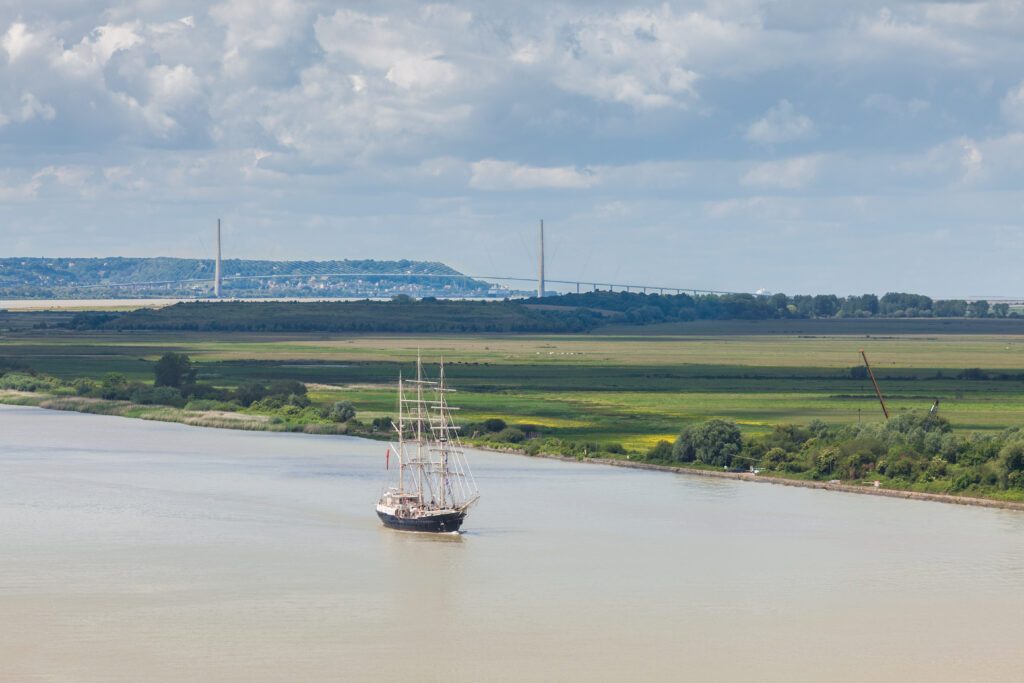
597,395
1011,500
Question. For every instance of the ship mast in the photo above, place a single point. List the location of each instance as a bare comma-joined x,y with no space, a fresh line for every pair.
443,436
401,437
419,423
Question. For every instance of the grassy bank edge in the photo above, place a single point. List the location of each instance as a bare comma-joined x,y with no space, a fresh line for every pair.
219,420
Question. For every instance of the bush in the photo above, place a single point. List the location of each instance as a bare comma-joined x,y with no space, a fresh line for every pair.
381,424
615,449
493,424
116,387
660,451
163,395
509,435
775,459
343,411
84,386
18,381
205,392
248,393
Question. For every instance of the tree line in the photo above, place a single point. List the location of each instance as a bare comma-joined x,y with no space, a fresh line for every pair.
912,450
642,308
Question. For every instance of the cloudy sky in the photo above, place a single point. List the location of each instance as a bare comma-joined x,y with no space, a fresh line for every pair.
793,145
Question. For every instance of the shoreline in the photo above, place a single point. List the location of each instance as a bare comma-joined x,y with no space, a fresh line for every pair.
219,420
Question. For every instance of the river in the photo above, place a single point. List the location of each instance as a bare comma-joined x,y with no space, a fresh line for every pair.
134,550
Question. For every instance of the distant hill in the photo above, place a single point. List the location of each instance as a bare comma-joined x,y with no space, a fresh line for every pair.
93,277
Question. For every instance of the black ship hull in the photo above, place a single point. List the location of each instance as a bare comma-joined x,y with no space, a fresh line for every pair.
434,523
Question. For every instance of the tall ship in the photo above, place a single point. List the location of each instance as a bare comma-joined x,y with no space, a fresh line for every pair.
433,488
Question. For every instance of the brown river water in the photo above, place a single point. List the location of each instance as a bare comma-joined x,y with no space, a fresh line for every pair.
134,550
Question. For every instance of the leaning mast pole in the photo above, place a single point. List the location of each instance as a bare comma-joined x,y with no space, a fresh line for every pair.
874,382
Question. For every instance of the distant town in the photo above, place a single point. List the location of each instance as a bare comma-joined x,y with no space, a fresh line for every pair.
116,277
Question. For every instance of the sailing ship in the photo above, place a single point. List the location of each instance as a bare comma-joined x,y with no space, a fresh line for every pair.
434,488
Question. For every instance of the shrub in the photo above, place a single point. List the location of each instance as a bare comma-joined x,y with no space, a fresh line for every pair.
493,424
775,459
509,435
162,395
660,451
615,449
343,411
19,381
116,387
84,386
248,393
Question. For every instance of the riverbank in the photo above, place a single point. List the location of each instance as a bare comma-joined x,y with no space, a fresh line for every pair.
248,422
769,479
220,419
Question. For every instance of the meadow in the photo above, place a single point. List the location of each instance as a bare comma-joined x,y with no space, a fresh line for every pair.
631,386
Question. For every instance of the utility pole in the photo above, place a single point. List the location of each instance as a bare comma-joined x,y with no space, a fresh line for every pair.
216,269
540,274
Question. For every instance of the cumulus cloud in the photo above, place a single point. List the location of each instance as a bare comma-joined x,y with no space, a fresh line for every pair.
781,123
491,174
303,110
637,57
27,109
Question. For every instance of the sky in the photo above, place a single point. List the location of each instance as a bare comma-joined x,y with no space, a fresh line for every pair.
799,146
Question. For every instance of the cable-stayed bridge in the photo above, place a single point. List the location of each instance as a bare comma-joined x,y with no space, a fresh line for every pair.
201,277
568,285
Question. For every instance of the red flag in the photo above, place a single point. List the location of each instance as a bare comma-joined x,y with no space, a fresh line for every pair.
387,458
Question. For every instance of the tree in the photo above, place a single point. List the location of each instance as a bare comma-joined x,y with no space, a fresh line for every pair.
343,411
950,308
1011,465
714,442
248,393
978,309
825,305
1001,310
494,424
173,370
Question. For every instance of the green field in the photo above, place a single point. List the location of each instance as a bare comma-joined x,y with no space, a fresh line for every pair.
633,388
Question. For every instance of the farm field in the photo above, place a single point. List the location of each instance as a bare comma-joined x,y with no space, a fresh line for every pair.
629,388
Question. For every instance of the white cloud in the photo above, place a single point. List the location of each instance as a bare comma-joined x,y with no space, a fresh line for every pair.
638,57
971,161
27,109
491,174
780,124
17,41
787,174
1013,105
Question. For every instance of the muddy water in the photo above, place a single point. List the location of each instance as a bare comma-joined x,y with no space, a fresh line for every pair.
133,550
